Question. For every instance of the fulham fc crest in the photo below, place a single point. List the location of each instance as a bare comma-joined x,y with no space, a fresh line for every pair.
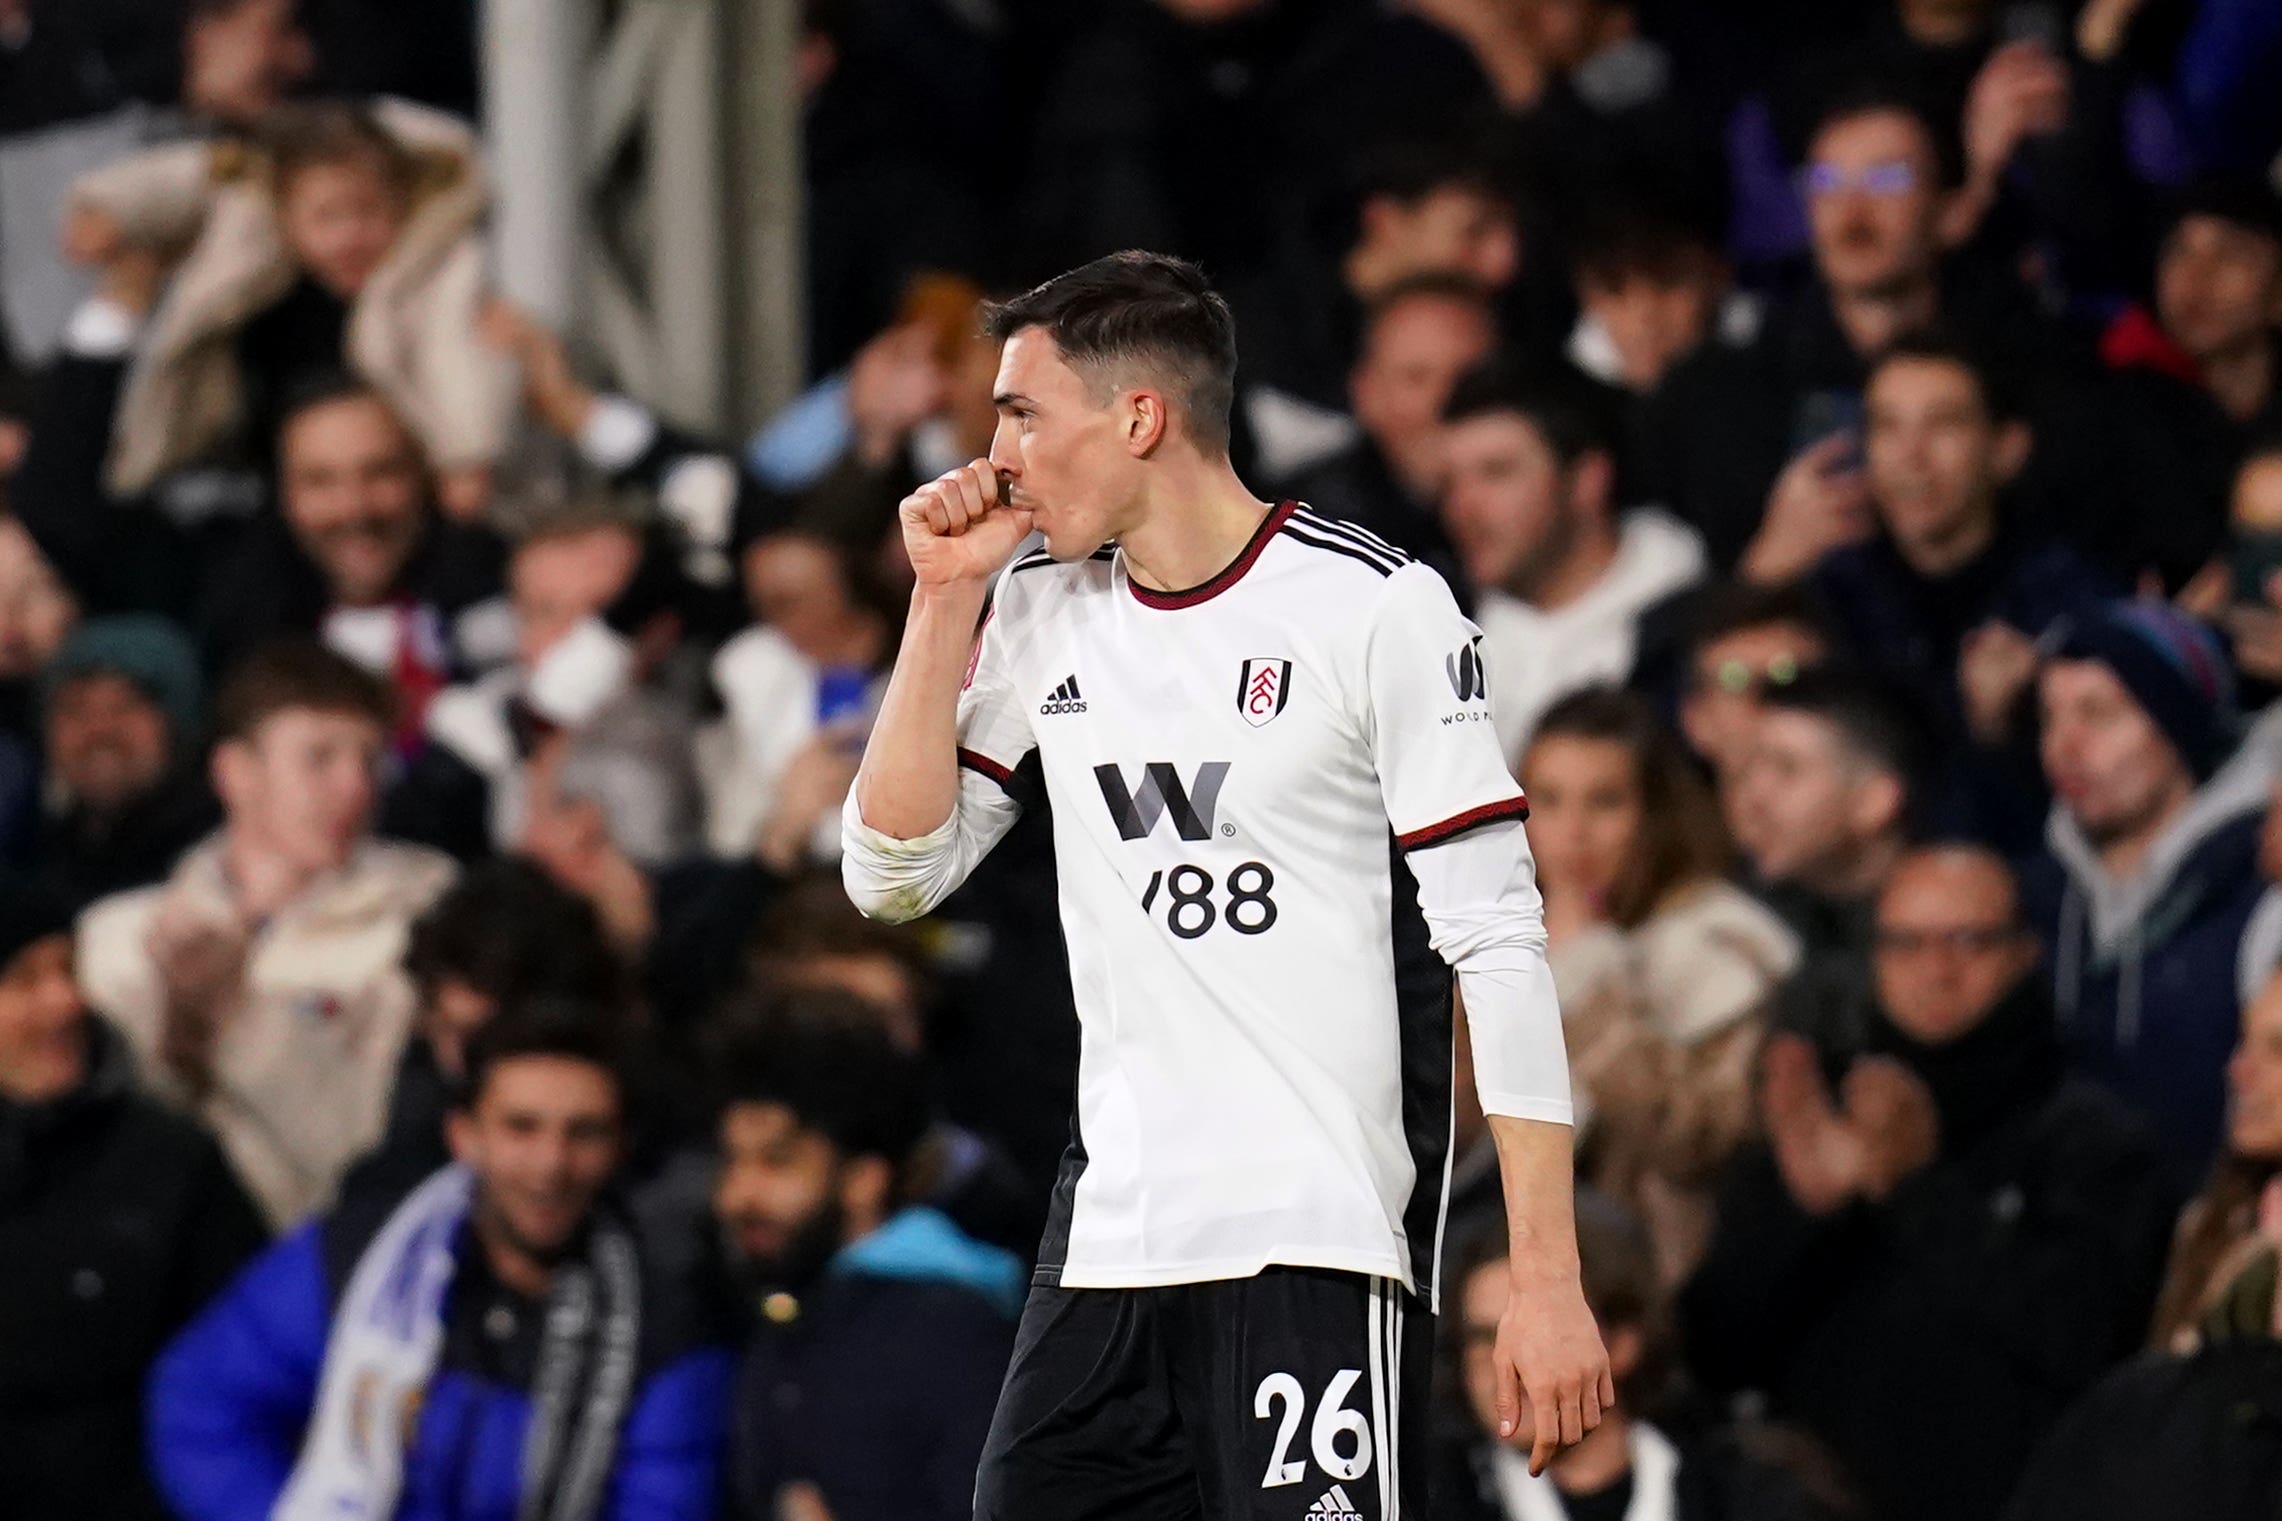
1262,689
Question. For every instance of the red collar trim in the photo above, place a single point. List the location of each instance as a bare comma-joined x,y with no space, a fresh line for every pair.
1277,516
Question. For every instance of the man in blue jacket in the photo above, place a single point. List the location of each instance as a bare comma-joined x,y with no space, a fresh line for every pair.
492,1346
879,1333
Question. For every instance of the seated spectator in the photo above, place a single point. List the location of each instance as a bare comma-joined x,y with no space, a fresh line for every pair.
503,935
1949,596
1956,1212
2150,871
413,1356
881,1335
1666,971
1628,1465
1649,289
1741,641
2239,1212
260,983
124,731
587,713
800,687
1561,577
117,1220
347,236
357,554
1421,335
1420,211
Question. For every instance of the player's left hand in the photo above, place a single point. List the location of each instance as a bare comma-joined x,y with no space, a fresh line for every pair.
1552,1369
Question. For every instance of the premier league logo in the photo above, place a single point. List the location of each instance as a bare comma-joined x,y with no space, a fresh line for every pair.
1262,689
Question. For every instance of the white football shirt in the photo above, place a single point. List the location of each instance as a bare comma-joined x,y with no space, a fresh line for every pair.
1241,777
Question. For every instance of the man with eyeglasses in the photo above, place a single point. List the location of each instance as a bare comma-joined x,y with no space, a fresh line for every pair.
1950,1207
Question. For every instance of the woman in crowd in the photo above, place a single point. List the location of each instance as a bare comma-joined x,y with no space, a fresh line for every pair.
1665,969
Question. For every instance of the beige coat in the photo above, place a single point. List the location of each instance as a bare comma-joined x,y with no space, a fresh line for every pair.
309,1051
413,332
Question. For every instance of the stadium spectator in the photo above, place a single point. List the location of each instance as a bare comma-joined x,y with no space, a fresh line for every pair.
345,236
1422,334
1666,971
1952,1209
497,1342
259,984
1630,1466
503,935
800,688
879,1333
2242,591
1649,288
2261,953
1741,641
1561,577
2216,327
2150,869
1757,445
117,1220
2239,1211
123,732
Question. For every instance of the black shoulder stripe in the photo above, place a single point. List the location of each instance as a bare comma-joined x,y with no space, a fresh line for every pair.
1362,538
1038,557
1340,548
1390,562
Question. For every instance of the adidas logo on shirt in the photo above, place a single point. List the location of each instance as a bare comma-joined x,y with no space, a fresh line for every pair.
1334,1506
1065,699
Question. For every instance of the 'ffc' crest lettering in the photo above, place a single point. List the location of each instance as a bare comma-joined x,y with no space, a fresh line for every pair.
1262,688
1162,791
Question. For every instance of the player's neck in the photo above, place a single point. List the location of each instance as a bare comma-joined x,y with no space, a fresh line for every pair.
1193,524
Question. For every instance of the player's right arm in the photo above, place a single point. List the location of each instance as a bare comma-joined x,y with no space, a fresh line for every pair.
917,819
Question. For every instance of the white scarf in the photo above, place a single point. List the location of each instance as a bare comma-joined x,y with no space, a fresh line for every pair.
385,1341
1655,1475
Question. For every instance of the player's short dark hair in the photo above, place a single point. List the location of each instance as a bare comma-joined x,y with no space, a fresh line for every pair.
1939,344
1570,419
507,930
827,1057
1139,310
1872,722
297,673
592,1031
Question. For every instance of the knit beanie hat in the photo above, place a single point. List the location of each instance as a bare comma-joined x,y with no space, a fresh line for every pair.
2173,666
148,651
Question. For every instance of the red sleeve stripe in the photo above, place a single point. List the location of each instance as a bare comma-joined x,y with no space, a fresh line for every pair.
975,760
1472,818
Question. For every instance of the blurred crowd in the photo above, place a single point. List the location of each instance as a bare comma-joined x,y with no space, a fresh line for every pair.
1856,429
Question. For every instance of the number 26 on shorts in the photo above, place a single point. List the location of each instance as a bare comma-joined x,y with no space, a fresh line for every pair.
1333,1421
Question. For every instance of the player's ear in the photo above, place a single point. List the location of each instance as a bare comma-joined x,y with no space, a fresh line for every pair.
1147,419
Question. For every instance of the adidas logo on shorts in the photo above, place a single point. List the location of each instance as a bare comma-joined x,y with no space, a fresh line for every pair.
1065,699
1334,1506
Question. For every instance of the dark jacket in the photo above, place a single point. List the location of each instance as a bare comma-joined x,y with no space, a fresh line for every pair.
231,1397
1357,485
79,855
1960,1317
2196,1436
878,1388
2151,1008
117,1220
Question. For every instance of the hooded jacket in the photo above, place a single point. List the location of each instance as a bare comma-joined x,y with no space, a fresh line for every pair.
1963,1314
2143,972
310,1043
117,1220
413,332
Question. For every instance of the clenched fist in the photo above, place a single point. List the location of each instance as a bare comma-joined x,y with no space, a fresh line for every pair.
957,528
